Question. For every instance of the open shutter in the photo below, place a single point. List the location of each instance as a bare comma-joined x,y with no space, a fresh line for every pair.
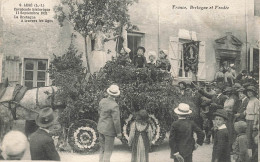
1,67
174,55
202,60
12,70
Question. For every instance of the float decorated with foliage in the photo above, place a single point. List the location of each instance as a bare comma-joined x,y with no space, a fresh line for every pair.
82,92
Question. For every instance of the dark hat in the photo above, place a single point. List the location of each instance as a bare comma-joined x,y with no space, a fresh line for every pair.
222,113
251,88
142,116
184,84
46,117
236,86
228,89
242,89
99,22
140,47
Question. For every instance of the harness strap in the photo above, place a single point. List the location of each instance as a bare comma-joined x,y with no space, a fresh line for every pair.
52,97
37,95
13,110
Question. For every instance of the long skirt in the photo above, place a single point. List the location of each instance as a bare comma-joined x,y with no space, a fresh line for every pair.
97,60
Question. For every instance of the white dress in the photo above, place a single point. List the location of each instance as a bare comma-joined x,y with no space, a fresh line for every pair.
140,152
98,56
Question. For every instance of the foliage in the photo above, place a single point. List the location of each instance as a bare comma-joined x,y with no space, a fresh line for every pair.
138,89
84,14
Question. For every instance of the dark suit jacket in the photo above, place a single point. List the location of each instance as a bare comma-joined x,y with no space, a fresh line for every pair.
109,117
218,100
242,104
42,146
221,150
181,137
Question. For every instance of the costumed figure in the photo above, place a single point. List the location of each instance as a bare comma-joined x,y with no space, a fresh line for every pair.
98,55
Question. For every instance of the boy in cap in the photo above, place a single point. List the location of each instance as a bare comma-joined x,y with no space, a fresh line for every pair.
41,143
181,139
221,149
14,146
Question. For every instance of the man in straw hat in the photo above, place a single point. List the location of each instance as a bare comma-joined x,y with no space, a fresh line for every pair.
14,146
181,139
252,116
109,125
41,143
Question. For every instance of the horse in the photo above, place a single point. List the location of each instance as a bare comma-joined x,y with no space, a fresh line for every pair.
21,103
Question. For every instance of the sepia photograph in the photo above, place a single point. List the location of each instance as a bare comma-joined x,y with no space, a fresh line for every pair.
129,80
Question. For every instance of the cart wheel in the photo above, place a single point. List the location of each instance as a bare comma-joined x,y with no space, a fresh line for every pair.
158,132
83,136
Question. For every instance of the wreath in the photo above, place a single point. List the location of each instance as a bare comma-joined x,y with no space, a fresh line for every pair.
83,136
158,132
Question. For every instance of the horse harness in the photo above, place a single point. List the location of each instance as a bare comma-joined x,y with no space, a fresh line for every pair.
18,94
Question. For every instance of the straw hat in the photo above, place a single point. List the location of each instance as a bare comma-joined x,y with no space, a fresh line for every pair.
113,90
14,143
183,109
46,118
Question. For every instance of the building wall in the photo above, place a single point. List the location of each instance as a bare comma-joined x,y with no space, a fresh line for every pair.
208,24
155,18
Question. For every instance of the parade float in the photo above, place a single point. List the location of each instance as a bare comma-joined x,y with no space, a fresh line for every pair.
82,92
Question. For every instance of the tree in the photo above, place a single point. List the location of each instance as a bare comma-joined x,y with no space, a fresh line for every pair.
83,15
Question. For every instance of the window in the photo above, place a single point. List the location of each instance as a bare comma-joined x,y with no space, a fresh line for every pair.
35,73
134,40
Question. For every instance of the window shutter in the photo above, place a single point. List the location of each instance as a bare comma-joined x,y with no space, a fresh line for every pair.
12,69
174,55
202,60
1,67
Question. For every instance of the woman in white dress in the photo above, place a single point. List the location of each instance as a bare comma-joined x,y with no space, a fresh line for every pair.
98,55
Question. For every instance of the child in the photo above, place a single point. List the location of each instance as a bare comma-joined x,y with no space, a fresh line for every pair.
221,149
181,139
140,137
139,60
151,57
241,144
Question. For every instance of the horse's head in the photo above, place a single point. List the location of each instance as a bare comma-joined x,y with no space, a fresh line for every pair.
4,84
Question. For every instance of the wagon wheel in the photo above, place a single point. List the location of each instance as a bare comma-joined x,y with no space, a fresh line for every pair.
158,132
83,136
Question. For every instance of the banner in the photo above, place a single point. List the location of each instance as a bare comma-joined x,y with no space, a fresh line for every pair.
191,56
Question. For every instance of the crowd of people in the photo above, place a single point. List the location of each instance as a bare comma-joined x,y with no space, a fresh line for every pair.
40,142
229,109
